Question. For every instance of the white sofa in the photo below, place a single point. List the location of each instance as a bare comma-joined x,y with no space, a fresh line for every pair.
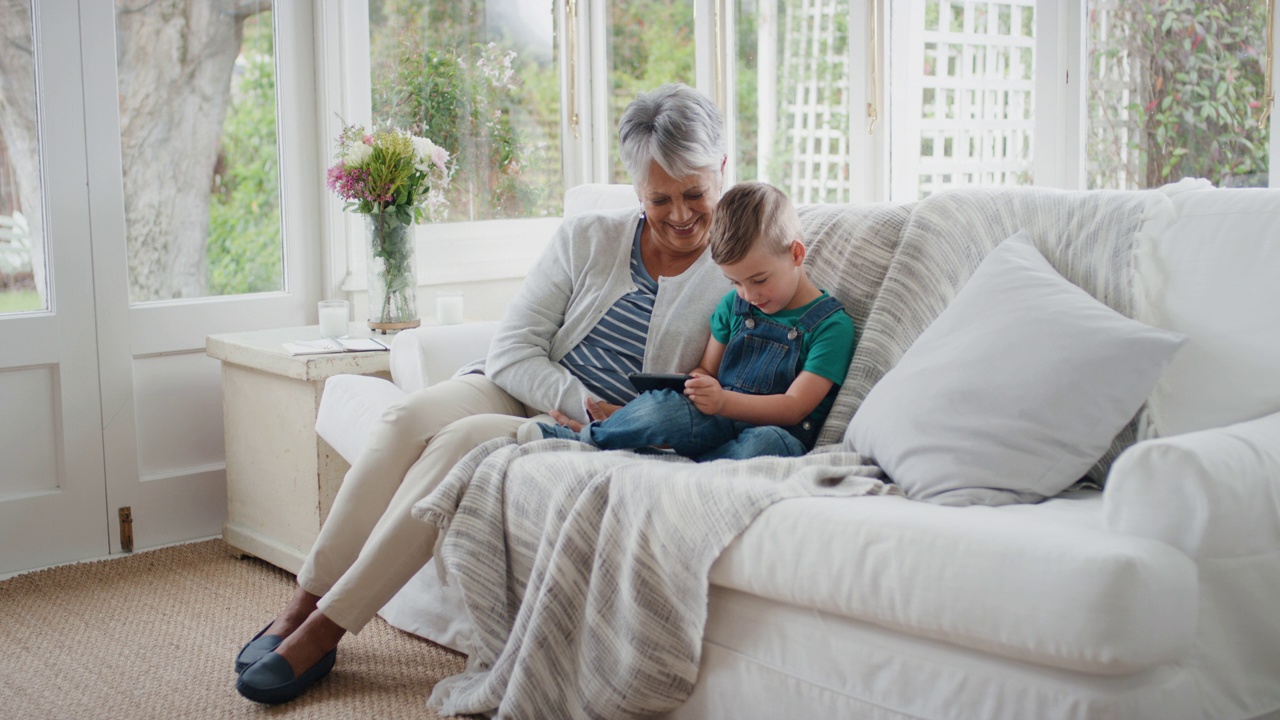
1157,597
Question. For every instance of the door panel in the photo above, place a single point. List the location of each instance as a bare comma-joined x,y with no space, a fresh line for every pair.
51,455
162,420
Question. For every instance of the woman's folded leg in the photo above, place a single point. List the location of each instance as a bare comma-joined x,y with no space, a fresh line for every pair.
400,544
383,476
396,445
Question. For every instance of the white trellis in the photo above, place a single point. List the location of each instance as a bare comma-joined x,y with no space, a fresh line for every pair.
814,89
1114,161
963,98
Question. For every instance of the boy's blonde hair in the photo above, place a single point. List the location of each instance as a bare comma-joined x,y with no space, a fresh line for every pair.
751,213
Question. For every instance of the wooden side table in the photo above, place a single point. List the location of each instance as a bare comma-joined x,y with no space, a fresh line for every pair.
281,476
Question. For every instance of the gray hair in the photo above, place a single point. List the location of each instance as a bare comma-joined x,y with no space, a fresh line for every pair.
676,126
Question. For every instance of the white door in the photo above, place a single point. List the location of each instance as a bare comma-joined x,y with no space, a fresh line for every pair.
107,400
51,453
151,89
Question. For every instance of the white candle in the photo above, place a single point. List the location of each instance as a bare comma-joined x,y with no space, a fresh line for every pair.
333,318
448,309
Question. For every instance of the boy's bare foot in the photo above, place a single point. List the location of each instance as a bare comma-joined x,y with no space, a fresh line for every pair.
310,642
565,420
599,409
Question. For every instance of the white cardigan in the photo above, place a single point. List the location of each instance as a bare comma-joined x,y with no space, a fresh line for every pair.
582,273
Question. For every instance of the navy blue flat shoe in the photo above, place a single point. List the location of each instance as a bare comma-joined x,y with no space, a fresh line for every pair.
256,649
271,679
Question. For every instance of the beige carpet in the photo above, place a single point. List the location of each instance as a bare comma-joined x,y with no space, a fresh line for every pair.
154,635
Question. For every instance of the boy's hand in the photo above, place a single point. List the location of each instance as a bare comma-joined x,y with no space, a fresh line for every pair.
705,393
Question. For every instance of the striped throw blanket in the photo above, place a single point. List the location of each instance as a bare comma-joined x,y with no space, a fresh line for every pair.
585,572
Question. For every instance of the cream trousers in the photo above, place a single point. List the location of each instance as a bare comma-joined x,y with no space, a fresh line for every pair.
370,545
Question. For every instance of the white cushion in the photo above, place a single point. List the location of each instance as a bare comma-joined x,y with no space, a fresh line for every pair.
432,353
1213,493
1212,276
591,197
1042,583
349,408
1014,391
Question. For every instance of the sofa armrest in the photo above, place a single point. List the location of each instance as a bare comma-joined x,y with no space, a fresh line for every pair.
426,355
350,407
1213,493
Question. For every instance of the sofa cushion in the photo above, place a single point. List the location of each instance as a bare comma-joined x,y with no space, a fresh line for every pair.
1087,237
593,197
1014,392
1211,276
1040,583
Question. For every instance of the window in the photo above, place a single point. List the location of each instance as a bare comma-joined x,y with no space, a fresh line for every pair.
965,93
1170,90
793,97
1175,90
22,252
964,99
651,42
479,78
198,145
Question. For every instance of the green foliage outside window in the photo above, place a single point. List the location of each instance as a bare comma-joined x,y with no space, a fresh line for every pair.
243,251
651,43
1195,82
438,72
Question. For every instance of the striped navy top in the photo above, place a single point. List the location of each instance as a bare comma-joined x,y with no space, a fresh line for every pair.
615,346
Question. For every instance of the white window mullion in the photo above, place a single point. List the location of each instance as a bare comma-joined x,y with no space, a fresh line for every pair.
345,97
868,177
577,114
596,86
904,138
1273,163
726,96
705,34
1060,80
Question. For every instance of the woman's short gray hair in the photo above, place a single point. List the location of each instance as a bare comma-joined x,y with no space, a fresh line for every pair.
676,126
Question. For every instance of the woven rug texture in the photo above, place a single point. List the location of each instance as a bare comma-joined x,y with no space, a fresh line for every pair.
155,634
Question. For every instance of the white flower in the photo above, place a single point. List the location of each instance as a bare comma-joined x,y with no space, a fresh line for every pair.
357,154
426,152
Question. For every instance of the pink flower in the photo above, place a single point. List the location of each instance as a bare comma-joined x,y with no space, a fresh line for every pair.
440,157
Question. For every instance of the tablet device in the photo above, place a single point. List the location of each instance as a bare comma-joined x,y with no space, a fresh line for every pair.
658,381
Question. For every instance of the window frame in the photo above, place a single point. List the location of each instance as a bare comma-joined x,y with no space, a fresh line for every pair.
488,250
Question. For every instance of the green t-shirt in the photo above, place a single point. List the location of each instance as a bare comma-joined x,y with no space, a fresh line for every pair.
826,350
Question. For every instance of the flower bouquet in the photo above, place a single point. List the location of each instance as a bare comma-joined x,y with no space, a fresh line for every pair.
395,180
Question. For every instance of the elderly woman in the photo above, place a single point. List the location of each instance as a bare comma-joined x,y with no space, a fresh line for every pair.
614,293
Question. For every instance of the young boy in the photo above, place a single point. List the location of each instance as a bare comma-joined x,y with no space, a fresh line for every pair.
779,349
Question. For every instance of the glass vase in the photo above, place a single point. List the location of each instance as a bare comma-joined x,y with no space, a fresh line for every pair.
393,303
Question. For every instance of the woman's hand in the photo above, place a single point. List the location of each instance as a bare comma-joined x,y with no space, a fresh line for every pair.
599,409
705,393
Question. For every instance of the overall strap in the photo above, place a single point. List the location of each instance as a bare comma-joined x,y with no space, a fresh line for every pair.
819,312
741,307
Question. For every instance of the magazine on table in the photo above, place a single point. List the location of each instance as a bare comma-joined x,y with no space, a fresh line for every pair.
334,345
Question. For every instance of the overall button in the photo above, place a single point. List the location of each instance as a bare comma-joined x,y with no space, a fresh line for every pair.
792,334
749,322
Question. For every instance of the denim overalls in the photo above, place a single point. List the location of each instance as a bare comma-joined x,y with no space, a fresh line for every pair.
764,358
